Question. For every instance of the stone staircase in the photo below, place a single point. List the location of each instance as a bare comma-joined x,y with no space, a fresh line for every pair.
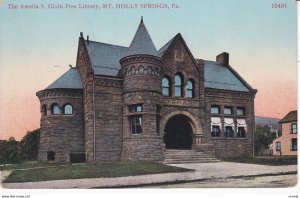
173,156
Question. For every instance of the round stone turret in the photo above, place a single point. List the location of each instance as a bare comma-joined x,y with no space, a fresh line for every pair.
141,68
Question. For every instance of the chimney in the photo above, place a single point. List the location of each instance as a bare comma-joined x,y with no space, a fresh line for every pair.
81,34
223,58
88,39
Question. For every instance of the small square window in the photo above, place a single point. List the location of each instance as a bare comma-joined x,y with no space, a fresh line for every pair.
228,110
240,111
215,109
135,108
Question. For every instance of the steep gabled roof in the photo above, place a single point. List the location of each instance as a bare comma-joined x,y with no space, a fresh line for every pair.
218,76
170,43
290,117
141,43
105,57
69,80
164,48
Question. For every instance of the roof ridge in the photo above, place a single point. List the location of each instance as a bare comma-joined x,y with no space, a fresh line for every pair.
107,44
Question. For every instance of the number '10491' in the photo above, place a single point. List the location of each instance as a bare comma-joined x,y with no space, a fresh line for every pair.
279,5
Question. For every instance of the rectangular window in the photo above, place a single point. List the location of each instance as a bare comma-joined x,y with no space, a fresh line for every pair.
229,131
294,128
178,91
136,124
294,144
241,132
240,111
278,146
135,108
215,131
215,109
136,121
228,110
50,155
165,91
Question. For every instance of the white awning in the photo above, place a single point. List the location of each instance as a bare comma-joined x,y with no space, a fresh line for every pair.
229,122
241,123
216,121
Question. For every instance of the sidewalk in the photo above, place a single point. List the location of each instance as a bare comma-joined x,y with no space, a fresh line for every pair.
202,171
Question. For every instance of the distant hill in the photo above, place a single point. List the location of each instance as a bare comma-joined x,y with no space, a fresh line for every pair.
270,122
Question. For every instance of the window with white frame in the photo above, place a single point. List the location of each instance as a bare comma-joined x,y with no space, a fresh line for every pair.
278,146
294,128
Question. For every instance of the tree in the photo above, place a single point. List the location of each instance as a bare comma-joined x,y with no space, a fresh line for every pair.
30,145
10,151
263,137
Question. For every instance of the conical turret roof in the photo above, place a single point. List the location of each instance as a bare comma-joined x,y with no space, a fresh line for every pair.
141,43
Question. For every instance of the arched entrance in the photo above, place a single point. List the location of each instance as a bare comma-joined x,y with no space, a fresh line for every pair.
178,133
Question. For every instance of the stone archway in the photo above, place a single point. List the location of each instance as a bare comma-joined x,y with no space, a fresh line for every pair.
189,122
178,133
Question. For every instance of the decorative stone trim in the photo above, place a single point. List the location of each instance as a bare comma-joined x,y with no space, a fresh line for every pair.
228,94
140,59
195,123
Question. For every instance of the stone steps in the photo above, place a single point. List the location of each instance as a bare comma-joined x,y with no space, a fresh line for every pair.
173,156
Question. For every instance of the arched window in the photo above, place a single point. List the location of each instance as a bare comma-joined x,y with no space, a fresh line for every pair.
55,110
157,71
131,71
178,85
149,70
165,83
44,110
190,89
125,72
141,69
68,109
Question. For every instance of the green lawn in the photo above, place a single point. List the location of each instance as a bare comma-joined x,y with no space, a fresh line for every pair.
79,171
28,164
265,160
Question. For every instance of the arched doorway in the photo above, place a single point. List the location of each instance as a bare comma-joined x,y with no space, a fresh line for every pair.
178,133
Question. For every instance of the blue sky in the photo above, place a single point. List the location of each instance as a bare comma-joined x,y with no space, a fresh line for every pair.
261,42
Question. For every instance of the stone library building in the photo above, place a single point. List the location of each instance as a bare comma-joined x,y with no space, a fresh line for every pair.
143,104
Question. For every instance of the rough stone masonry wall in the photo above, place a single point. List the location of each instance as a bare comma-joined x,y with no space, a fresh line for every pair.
147,146
108,117
83,63
225,146
63,134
